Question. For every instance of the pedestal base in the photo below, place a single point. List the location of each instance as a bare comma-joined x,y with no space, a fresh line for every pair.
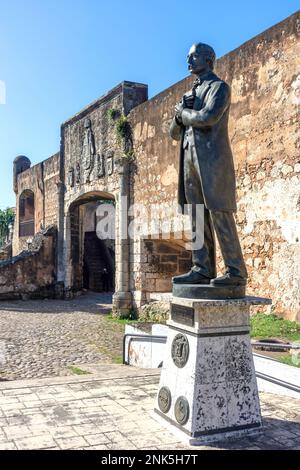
208,390
208,291
206,438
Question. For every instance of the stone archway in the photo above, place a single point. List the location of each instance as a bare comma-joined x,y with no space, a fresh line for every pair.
90,259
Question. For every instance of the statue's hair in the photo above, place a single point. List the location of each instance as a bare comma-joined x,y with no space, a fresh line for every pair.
207,50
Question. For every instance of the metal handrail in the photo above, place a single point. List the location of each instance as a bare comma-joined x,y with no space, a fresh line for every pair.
281,383
275,345
253,344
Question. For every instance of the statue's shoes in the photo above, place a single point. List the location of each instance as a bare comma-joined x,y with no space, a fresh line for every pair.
192,277
229,280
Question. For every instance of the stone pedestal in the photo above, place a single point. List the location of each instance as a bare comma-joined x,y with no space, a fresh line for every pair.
208,388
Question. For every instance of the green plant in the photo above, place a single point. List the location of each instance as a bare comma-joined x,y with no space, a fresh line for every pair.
117,360
121,320
78,371
128,155
122,128
267,326
112,114
156,312
7,218
289,361
130,315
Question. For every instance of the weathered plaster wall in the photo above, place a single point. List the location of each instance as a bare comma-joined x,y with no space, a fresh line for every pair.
264,128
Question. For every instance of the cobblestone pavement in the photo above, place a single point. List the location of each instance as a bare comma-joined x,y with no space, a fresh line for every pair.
112,410
44,338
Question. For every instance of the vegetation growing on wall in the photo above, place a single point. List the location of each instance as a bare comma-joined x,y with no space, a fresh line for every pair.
123,132
7,218
112,114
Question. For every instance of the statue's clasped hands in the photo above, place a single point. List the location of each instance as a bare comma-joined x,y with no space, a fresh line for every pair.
186,102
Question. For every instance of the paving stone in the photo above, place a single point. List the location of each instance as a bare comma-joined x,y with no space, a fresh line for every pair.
9,445
35,442
102,423
43,341
63,432
122,445
71,442
96,439
13,432
17,392
97,447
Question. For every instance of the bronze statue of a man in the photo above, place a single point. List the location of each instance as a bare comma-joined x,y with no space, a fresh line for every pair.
206,173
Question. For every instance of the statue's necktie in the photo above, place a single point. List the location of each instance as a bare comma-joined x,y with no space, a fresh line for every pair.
196,83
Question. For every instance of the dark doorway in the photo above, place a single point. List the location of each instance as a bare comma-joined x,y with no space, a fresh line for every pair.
92,258
98,264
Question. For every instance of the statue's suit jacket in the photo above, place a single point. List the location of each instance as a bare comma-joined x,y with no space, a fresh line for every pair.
208,122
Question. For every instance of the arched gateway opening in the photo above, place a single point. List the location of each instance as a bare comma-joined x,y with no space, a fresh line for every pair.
92,258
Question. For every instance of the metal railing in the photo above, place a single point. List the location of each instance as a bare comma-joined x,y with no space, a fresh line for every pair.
275,345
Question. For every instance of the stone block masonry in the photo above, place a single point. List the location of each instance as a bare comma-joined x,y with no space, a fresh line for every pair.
31,274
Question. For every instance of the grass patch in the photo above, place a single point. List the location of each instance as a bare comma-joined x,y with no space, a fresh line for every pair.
289,361
120,321
272,326
117,360
78,371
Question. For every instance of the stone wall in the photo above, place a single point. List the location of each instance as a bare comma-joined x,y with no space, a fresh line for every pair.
6,252
264,129
42,179
163,259
31,274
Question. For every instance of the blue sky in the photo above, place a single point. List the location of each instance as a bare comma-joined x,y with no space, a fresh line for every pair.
56,56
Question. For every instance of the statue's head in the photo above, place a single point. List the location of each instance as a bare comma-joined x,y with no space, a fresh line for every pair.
201,58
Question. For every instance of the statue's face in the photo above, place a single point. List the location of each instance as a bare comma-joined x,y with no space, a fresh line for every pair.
197,61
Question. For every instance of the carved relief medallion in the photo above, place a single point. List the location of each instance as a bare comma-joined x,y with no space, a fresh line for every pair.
110,163
77,173
180,350
100,166
88,150
164,399
71,177
182,410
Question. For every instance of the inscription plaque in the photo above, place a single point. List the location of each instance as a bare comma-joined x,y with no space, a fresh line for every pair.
182,314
